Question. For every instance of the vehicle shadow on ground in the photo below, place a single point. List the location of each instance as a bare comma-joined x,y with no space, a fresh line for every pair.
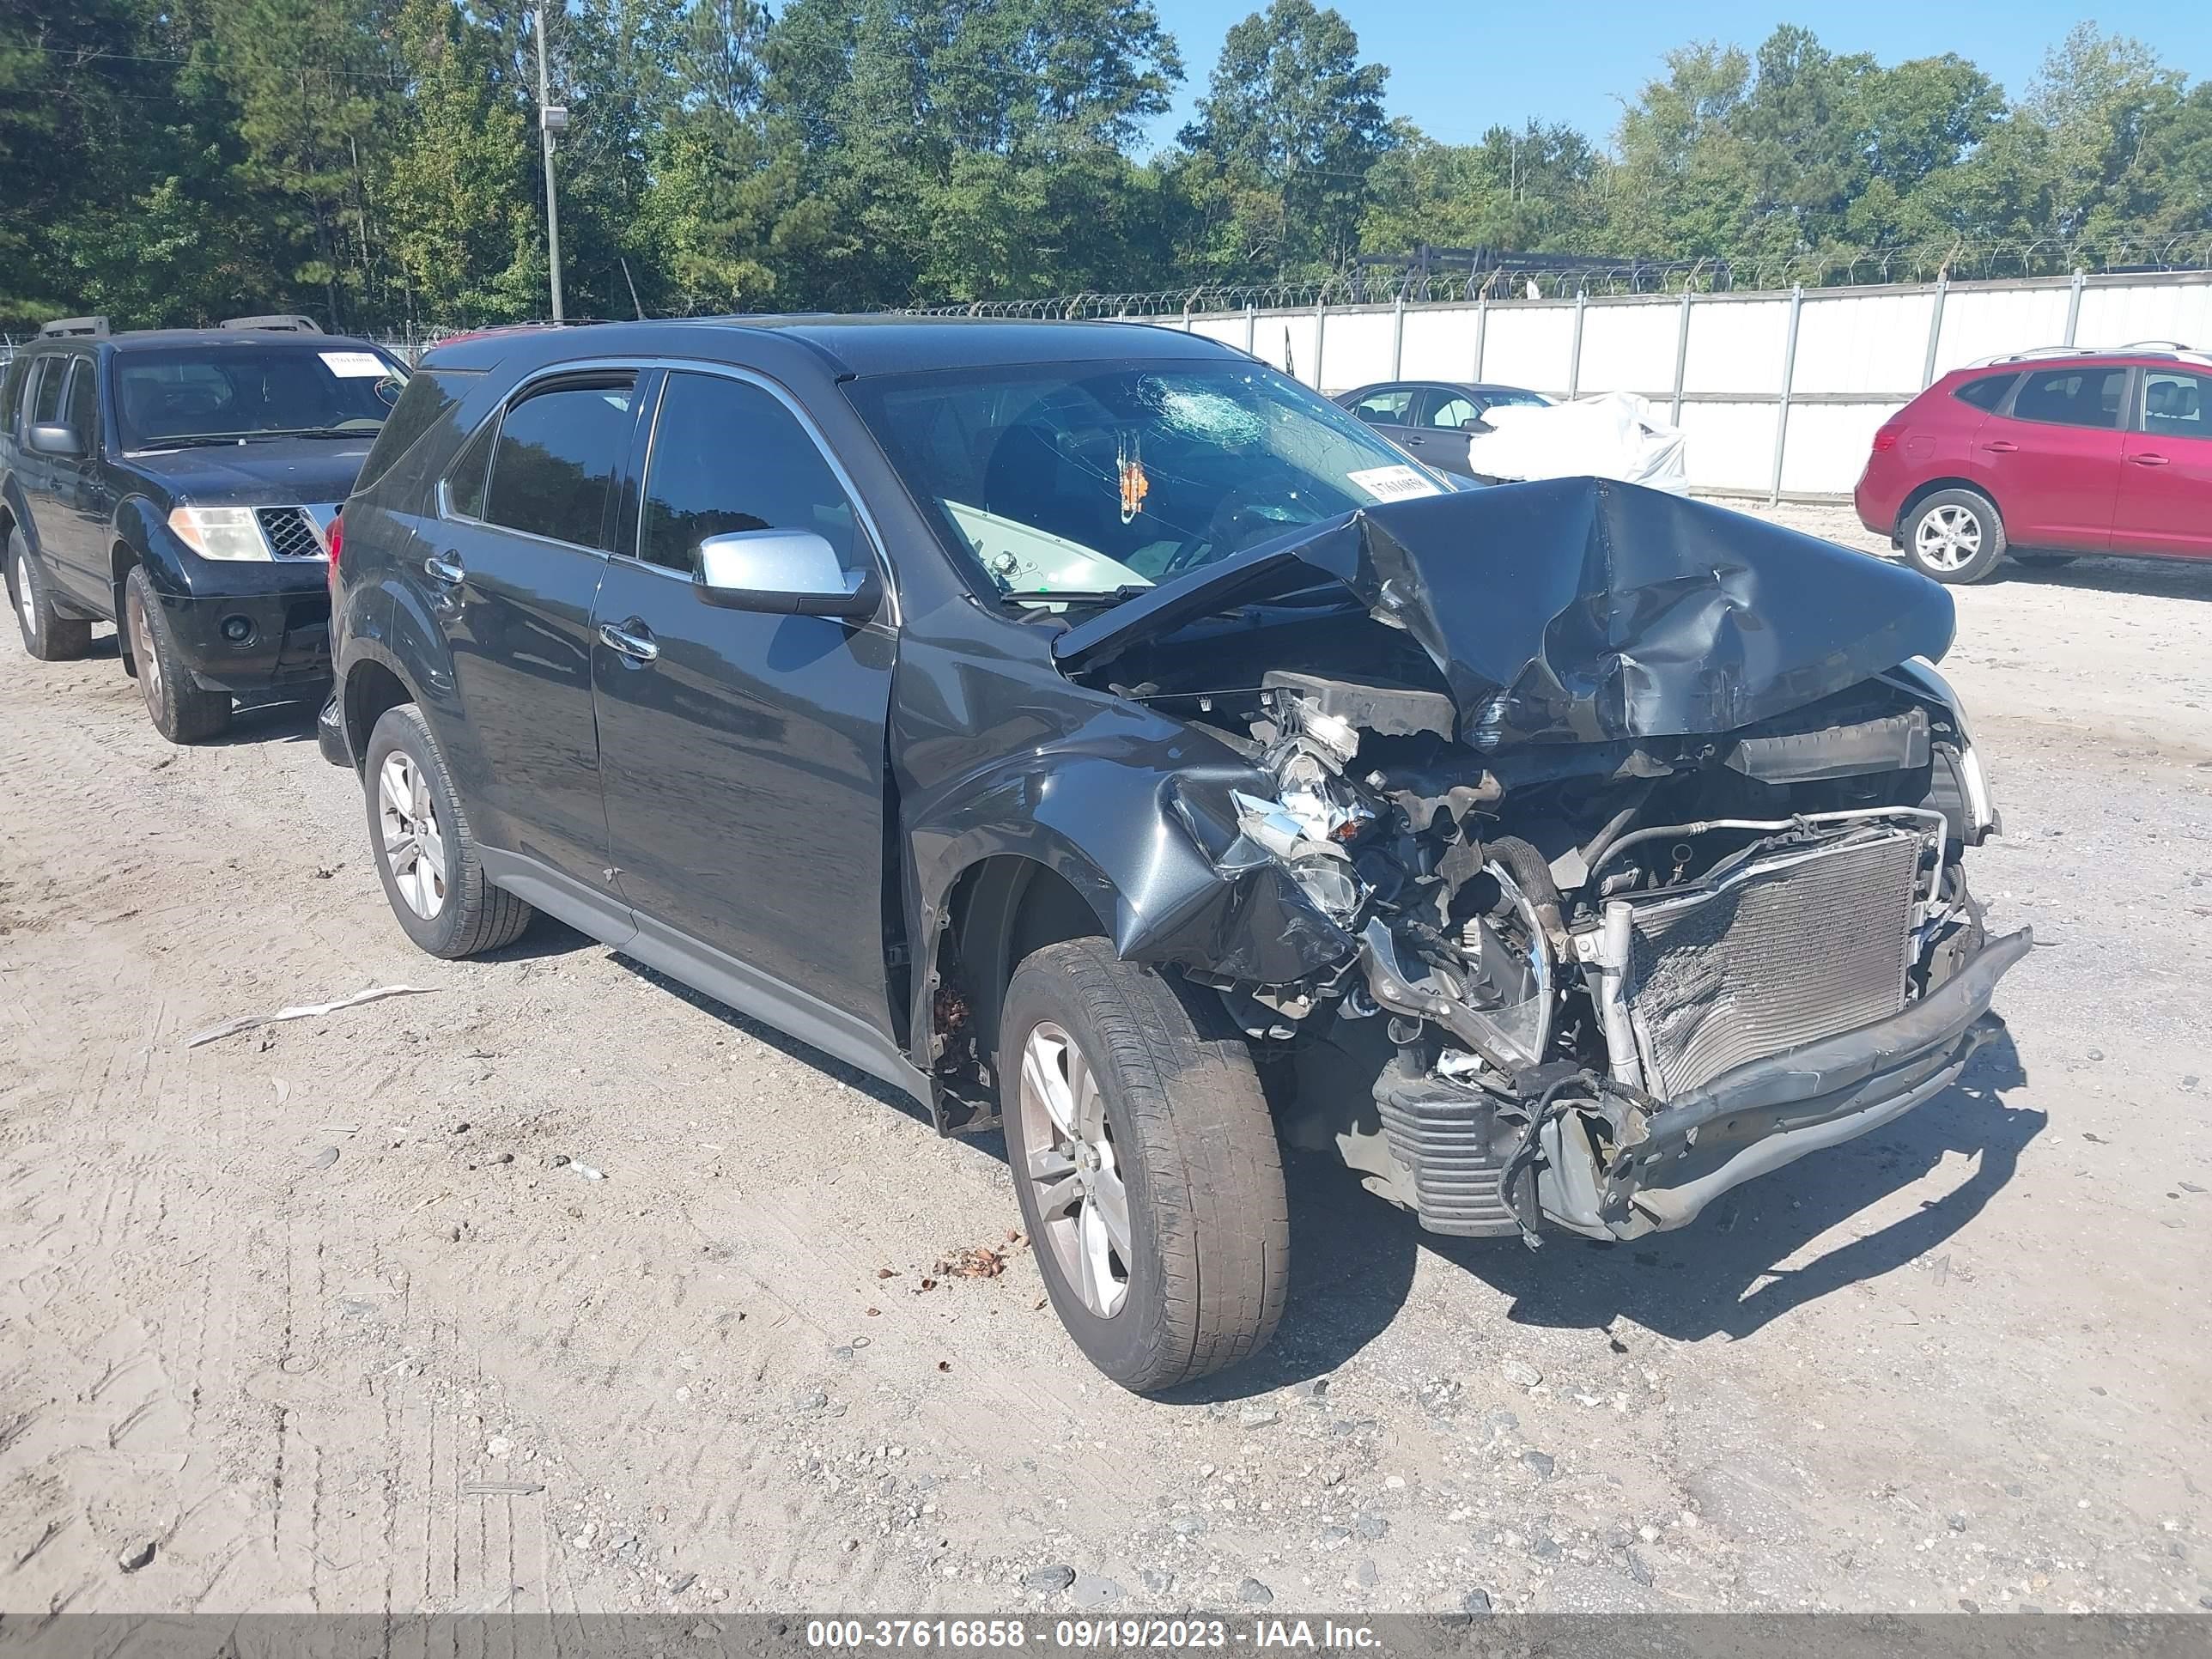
269,722
744,1025
1353,1257
2150,579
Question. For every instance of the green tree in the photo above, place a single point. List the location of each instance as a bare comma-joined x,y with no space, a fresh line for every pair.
1276,165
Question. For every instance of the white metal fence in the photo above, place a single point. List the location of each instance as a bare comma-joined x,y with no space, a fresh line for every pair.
1777,393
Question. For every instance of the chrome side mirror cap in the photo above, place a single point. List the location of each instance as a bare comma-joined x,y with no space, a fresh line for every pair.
787,572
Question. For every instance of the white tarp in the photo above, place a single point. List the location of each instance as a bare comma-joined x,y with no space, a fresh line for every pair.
1612,435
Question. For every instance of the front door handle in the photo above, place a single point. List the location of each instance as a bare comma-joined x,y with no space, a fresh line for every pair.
637,646
2147,460
2000,447
444,570
1415,443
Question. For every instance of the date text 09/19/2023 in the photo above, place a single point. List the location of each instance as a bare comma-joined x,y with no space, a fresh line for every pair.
1088,1634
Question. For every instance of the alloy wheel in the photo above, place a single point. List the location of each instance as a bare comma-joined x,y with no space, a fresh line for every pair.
414,846
143,653
1082,1202
1948,538
27,601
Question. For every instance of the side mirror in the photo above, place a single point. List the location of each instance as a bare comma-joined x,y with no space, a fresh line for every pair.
787,572
50,438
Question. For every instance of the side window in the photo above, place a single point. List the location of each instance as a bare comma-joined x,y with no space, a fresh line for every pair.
1385,408
2174,404
2072,397
728,457
554,464
1987,392
470,472
47,406
1452,413
84,404
1388,408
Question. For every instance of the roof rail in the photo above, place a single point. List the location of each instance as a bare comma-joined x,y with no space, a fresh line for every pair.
67,327
2173,348
276,322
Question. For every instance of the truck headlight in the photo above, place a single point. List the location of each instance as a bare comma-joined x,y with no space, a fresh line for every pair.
219,533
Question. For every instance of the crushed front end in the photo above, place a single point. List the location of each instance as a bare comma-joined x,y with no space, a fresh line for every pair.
1620,928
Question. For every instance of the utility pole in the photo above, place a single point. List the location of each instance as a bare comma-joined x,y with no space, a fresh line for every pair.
551,118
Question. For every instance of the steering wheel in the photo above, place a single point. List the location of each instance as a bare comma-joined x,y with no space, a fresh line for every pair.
1224,532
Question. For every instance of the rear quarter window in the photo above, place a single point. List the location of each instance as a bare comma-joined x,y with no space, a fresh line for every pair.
1987,392
431,395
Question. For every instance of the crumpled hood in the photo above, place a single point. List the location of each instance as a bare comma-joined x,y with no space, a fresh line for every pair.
264,472
1581,610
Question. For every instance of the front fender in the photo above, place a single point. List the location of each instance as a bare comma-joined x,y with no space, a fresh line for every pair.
1133,811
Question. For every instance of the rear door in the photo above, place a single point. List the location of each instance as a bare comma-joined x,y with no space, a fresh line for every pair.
2052,457
1443,436
2166,487
1389,410
513,569
744,751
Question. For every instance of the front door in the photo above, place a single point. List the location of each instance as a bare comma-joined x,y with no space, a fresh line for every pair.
2053,459
742,752
83,501
511,571
2166,488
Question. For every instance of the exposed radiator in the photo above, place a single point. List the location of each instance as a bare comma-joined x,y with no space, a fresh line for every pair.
1791,950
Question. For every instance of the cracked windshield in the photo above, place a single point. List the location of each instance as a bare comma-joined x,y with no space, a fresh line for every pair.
1082,482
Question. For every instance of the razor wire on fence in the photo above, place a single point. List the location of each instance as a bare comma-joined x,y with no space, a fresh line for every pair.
1960,261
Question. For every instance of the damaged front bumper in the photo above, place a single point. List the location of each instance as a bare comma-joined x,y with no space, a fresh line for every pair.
1621,1175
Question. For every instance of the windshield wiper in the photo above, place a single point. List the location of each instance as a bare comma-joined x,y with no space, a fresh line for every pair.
329,432
1077,595
195,440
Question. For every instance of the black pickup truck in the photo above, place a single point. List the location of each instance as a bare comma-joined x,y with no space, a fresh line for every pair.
180,484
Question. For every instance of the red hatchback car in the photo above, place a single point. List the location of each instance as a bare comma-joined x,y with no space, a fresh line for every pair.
2045,456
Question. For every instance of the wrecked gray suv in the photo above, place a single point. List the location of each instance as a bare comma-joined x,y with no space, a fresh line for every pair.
1091,731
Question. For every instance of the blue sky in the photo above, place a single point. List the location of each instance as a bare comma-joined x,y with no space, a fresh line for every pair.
1456,69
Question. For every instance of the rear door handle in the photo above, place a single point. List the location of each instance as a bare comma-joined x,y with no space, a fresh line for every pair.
638,646
2147,460
444,570
1415,443
2001,448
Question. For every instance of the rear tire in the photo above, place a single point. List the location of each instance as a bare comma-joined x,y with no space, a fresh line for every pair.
1171,1131
426,853
1954,537
182,709
47,636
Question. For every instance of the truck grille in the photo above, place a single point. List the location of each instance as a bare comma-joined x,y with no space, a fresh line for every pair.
1795,949
290,531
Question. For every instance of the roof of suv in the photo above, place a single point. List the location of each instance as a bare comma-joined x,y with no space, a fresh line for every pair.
139,339
2139,351
885,344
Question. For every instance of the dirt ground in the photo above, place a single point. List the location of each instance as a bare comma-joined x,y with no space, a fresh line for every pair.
555,1289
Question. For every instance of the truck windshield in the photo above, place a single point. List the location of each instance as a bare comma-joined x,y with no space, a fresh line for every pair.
232,393
1065,481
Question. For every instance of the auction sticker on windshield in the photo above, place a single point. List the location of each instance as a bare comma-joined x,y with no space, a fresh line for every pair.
355,365
1393,484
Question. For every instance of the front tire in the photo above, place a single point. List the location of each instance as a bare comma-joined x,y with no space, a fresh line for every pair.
48,637
425,853
182,709
1954,537
1147,1166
